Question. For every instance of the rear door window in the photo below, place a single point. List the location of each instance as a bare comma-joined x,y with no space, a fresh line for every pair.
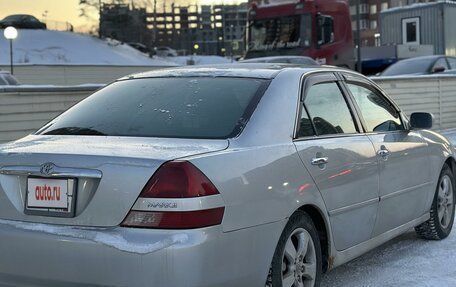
328,111
164,107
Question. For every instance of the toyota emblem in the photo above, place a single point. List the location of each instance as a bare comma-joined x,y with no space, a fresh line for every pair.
47,168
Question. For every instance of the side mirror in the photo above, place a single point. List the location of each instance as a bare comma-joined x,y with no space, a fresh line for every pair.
438,69
421,120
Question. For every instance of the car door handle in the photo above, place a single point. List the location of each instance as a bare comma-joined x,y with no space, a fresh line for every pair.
384,153
319,160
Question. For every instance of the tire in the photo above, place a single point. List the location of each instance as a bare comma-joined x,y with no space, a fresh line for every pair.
439,225
293,264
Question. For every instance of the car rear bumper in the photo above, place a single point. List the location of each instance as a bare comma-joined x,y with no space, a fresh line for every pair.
49,255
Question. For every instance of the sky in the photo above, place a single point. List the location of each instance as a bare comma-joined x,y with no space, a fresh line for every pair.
57,10
68,10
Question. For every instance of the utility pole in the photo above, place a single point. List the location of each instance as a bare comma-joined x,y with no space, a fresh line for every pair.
99,13
358,39
11,56
155,22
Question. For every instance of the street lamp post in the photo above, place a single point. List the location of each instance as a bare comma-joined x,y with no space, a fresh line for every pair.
195,48
10,33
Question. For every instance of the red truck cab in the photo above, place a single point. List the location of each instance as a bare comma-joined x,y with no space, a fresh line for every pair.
320,29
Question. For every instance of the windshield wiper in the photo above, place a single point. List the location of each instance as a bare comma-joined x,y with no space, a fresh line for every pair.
74,131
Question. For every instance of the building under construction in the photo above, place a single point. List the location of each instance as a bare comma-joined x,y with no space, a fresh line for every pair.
125,23
214,30
208,30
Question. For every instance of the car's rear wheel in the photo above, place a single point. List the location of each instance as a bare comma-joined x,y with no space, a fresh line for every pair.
297,258
440,223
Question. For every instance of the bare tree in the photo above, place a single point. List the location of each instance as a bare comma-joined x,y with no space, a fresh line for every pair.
88,8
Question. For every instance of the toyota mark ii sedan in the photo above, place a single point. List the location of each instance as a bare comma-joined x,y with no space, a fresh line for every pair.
242,175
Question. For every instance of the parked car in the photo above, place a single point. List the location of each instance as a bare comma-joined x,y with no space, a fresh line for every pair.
21,21
422,66
248,175
165,52
302,60
7,79
140,47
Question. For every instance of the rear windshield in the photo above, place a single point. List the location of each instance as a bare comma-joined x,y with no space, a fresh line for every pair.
164,107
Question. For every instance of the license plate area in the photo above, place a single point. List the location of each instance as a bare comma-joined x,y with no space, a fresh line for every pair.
50,196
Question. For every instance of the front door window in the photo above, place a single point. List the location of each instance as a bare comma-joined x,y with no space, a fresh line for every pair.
379,115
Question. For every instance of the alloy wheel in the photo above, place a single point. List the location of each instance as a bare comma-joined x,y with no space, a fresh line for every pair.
445,201
299,261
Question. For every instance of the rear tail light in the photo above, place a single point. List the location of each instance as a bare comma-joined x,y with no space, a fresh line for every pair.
178,179
177,196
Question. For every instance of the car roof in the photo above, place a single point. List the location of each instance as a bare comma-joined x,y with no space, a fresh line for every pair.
19,15
241,70
423,57
278,57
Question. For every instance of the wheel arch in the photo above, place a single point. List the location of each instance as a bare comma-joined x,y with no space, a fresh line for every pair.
451,162
323,231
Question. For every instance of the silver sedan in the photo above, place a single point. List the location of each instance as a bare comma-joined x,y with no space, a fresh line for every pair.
254,175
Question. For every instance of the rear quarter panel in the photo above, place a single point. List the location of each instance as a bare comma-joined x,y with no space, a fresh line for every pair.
259,184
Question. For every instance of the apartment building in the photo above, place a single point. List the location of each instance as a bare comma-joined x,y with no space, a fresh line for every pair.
210,30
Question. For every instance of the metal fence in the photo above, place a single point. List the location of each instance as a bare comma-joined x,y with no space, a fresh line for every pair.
433,94
25,109
59,25
73,74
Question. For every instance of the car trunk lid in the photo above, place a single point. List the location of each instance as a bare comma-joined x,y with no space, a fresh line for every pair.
107,174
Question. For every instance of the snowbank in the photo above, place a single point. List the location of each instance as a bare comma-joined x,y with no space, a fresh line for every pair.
44,47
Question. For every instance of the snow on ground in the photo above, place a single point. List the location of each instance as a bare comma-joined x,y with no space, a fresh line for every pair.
406,261
66,48
36,47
